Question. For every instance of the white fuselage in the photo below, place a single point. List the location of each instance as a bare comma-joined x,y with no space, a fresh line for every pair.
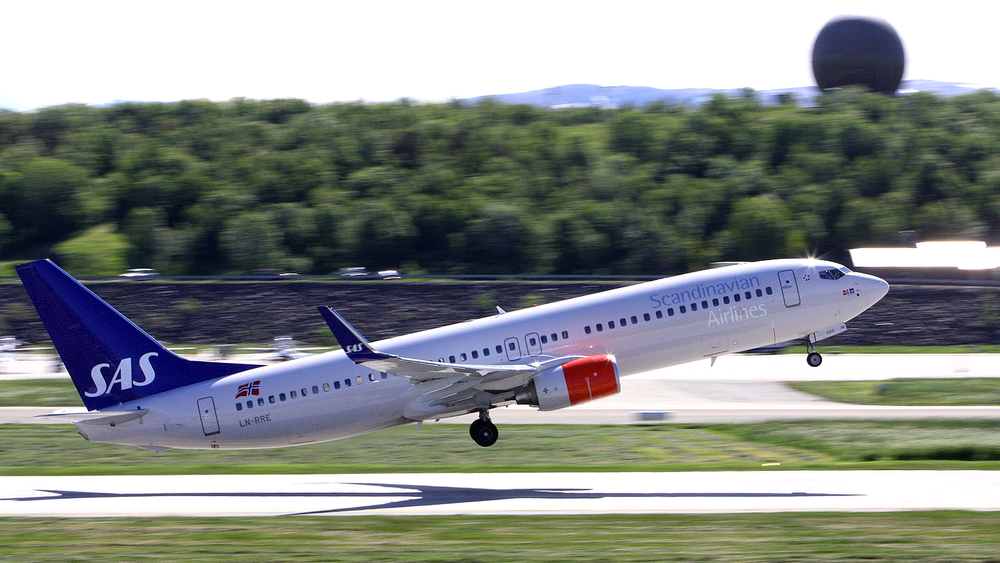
645,326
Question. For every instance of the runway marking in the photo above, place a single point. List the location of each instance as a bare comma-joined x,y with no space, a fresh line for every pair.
425,496
499,493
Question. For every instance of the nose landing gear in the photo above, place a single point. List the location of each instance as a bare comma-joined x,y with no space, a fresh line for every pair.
483,431
813,358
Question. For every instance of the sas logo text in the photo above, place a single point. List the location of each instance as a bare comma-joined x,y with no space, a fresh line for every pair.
122,375
354,348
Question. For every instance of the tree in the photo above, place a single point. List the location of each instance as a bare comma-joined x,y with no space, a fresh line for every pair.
251,240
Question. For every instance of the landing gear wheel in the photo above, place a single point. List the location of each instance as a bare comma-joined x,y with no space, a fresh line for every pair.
814,359
483,431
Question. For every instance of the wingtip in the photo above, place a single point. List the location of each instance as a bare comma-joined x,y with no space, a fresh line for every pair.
355,346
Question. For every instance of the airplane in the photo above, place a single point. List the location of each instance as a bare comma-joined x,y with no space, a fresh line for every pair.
551,356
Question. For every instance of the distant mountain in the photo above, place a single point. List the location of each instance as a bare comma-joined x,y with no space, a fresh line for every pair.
591,95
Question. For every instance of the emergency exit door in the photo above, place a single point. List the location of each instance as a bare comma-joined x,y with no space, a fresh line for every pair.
789,288
209,421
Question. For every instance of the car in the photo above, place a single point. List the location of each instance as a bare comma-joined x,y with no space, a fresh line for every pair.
388,275
355,272
140,274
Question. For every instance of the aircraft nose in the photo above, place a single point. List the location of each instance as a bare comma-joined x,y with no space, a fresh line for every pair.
876,288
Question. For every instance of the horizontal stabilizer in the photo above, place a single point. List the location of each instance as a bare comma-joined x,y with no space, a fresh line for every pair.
70,416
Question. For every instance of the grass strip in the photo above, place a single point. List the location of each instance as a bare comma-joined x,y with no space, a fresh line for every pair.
58,450
908,392
920,536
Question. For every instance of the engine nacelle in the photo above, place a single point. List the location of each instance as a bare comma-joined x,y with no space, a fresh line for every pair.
572,383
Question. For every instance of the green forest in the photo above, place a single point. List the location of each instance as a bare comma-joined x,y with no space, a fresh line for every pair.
198,187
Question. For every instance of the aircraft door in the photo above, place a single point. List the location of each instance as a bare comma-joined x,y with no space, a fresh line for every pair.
534,344
513,348
206,411
789,288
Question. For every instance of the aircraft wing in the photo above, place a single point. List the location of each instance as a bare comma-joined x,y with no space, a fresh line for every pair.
360,351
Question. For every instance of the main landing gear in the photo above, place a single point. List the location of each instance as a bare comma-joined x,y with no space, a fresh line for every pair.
483,431
813,358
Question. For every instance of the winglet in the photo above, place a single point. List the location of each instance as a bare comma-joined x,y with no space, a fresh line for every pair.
355,345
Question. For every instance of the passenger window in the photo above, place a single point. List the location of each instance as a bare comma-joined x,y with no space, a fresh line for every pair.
384,374
768,290
565,334
486,351
760,293
360,379
715,302
260,401
475,354
600,327
499,349
249,404
512,346
371,377
683,310
347,383
611,324
281,397
451,359
621,322
635,321
736,298
271,399
694,307
532,341
239,406
645,317
586,329
725,299
304,392
704,304
555,337
748,295
463,356
293,394
545,339
326,387
315,389
336,385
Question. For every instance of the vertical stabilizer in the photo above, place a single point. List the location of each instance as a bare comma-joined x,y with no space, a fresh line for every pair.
110,359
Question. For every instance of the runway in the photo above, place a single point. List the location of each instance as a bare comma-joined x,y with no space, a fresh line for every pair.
498,493
735,389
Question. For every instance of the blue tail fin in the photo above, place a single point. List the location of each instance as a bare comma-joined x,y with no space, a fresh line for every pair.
109,358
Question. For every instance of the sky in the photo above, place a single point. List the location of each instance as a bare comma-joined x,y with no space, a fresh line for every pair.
97,52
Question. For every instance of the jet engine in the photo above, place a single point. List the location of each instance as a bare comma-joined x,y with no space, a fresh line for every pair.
572,383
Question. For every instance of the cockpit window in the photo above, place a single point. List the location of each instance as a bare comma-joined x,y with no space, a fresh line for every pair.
845,269
832,274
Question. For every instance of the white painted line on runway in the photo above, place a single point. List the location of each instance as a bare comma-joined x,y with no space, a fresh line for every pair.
493,493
